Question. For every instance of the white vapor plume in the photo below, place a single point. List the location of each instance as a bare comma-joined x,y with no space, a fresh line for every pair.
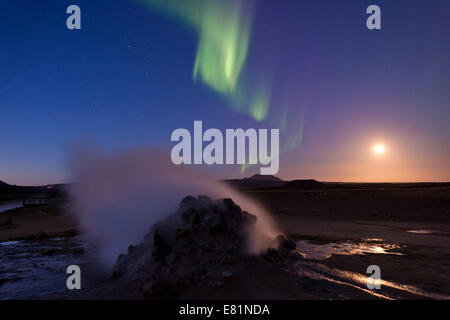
118,198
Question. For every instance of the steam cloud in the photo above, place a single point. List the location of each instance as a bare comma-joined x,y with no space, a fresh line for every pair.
118,198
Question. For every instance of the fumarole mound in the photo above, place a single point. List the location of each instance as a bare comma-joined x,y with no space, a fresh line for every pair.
203,236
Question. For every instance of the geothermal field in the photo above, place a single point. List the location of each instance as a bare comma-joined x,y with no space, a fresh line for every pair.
316,243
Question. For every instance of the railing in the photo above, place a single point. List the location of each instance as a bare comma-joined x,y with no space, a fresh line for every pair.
37,202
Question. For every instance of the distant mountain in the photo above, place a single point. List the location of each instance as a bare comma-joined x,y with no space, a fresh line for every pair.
7,189
263,177
257,181
309,184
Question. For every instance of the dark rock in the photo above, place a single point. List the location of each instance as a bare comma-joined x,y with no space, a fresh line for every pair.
233,207
274,256
283,242
115,275
187,202
180,251
156,288
289,244
161,247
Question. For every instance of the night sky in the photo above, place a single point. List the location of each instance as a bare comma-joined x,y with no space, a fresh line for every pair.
312,68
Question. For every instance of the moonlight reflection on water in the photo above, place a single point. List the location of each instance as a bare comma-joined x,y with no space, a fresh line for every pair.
315,251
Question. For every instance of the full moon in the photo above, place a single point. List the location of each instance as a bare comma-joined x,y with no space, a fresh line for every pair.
378,149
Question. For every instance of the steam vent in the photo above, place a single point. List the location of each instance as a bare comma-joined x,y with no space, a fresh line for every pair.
202,238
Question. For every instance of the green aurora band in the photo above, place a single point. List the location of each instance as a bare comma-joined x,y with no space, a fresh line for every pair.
224,28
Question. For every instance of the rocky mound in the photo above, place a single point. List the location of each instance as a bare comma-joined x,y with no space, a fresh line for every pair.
203,236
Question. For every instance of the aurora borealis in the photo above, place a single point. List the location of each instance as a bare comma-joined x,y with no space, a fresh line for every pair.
224,31
138,69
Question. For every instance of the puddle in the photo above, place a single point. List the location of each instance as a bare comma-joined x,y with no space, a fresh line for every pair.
373,239
9,243
8,205
318,271
316,251
428,231
35,269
